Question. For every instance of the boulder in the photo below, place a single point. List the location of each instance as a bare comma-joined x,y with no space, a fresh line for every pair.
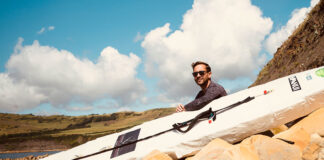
157,155
269,148
299,136
313,123
315,149
254,148
212,150
279,129
301,131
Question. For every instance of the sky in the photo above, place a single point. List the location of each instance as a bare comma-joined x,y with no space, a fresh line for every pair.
82,57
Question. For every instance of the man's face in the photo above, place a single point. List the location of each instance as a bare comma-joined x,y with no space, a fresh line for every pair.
203,78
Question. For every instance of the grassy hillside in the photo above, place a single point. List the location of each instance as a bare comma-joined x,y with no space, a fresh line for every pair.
303,50
30,132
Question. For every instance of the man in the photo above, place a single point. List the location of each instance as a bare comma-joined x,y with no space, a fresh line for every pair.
209,89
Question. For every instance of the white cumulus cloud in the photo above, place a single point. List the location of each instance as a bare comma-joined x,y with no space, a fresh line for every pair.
50,28
41,31
226,34
17,95
37,74
297,17
44,29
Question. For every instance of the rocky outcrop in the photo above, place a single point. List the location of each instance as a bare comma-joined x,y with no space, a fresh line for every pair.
253,148
302,141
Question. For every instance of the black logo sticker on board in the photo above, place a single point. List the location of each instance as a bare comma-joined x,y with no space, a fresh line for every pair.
294,84
124,139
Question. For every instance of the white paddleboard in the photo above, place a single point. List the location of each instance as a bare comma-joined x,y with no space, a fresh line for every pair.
290,97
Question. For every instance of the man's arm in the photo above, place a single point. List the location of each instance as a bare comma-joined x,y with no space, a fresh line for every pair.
212,93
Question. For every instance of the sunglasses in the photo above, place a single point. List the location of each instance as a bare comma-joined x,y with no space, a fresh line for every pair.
195,74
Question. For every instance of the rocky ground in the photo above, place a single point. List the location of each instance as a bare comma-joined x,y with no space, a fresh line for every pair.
302,141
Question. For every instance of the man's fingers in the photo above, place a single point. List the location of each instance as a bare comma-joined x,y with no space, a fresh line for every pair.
180,108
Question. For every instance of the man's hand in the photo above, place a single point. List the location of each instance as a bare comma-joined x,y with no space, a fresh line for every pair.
180,108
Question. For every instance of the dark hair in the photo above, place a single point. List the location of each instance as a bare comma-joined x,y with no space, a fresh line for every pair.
193,65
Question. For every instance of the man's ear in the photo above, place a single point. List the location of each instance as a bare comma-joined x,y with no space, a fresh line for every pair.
209,74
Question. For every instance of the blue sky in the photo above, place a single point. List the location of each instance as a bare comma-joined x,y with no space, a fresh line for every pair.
83,57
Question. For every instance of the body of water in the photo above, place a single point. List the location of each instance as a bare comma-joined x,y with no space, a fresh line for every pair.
24,154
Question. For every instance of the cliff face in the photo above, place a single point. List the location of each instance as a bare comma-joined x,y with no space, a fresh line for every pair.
303,50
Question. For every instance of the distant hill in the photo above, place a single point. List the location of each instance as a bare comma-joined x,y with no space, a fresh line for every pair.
303,50
39,133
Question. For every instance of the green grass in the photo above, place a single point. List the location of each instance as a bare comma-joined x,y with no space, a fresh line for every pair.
70,130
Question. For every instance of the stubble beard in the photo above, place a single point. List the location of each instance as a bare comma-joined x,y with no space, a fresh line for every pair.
203,84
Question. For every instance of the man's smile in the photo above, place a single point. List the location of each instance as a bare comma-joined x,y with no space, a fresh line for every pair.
200,80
